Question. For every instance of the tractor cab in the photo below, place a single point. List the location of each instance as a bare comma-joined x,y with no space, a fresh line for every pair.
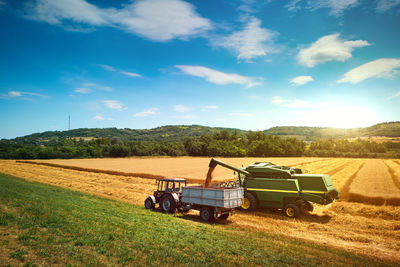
170,184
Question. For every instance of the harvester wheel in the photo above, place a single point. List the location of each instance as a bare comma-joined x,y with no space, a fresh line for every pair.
168,204
291,210
207,214
249,202
149,203
309,206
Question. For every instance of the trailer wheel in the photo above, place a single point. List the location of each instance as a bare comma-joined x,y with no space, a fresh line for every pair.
249,202
168,204
207,214
309,206
149,203
291,210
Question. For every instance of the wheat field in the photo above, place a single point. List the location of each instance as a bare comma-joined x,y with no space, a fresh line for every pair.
356,222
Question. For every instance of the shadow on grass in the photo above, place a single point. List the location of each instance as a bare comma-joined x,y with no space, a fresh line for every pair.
277,214
191,216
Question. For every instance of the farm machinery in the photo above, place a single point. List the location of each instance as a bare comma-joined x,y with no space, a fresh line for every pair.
282,187
214,203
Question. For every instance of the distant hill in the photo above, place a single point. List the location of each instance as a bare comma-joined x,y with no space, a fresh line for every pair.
180,132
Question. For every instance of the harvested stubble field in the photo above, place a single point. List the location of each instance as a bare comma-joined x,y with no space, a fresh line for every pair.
370,230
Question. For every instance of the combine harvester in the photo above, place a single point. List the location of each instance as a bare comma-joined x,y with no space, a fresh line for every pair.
281,187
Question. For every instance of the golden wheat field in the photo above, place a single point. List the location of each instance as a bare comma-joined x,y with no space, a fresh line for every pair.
366,220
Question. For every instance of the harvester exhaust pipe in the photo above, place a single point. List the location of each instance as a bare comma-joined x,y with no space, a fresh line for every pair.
211,168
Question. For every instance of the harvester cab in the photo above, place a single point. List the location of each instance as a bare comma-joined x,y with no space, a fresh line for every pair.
282,187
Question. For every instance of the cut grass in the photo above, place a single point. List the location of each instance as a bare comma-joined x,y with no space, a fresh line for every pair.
50,225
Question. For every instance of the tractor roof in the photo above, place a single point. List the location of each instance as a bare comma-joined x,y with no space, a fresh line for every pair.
173,179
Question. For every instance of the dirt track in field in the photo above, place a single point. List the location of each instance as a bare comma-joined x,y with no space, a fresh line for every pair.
369,230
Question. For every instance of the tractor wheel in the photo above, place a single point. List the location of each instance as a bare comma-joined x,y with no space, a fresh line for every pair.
224,216
291,210
168,204
309,206
207,214
249,202
149,204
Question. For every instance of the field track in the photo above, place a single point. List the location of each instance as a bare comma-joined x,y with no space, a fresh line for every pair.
352,226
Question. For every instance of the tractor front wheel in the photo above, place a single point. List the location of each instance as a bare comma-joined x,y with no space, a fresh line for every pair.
309,206
291,210
168,204
224,216
149,203
249,202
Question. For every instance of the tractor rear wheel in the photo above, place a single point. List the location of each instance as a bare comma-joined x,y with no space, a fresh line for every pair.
149,203
291,210
249,202
207,214
168,204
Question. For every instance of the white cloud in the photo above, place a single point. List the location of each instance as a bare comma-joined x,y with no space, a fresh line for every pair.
106,67
251,42
385,5
380,68
328,48
293,6
14,94
113,69
337,7
161,20
277,100
131,74
217,77
298,104
114,104
98,118
211,107
145,113
181,108
158,20
57,11
83,90
239,114
395,95
301,80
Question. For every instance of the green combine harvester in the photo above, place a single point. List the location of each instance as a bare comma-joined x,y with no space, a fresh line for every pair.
281,187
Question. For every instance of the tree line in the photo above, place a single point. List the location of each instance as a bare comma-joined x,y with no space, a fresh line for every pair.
222,144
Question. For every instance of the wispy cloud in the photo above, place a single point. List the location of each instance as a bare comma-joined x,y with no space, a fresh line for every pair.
380,68
251,42
83,90
114,104
146,113
113,69
386,5
394,95
98,118
293,6
209,108
296,103
301,80
239,114
337,7
22,95
157,20
218,77
328,48
181,108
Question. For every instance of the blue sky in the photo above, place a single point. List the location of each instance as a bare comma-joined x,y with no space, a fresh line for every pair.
243,64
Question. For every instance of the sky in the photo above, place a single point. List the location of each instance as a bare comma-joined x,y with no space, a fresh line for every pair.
240,63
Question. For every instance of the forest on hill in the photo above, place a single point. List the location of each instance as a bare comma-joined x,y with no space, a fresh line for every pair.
223,143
